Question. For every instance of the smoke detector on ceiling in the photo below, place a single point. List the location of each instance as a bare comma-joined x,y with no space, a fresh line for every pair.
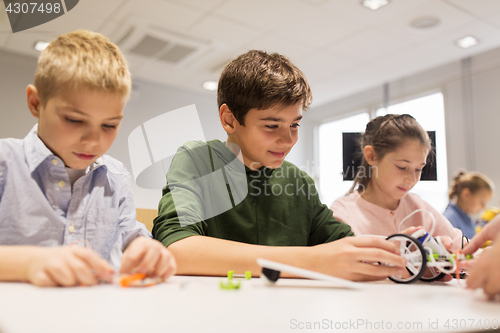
425,22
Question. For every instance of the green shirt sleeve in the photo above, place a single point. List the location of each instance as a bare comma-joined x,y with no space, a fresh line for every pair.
169,227
325,228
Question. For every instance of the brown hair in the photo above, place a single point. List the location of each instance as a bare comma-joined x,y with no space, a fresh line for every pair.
258,80
82,59
474,181
386,134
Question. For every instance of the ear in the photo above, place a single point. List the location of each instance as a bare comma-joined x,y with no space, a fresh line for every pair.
227,119
33,100
369,154
465,193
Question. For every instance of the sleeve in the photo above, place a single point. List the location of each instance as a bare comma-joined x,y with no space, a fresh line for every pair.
325,227
180,211
444,227
128,227
340,211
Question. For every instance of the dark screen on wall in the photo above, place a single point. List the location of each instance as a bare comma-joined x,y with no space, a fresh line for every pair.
352,160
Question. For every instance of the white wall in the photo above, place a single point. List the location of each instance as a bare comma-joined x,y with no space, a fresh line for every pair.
472,129
16,72
148,101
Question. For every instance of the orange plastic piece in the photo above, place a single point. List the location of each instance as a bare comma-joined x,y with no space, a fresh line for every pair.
130,280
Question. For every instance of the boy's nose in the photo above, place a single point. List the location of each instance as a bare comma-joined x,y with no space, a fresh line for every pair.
286,138
91,137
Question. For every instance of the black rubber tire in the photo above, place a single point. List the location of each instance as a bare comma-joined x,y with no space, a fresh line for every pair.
422,253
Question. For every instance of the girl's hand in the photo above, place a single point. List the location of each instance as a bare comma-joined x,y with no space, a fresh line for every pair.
411,230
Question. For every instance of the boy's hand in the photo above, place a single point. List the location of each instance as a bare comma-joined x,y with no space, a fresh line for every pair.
352,257
67,266
148,256
490,232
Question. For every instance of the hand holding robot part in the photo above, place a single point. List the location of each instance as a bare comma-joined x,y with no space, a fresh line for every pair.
489,232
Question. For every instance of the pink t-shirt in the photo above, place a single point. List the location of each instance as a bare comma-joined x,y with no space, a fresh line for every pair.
366,218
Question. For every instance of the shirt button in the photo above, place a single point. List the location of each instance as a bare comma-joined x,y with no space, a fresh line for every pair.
54,161
71,228
61,183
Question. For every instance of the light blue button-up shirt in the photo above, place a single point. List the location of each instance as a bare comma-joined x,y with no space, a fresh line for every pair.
38,206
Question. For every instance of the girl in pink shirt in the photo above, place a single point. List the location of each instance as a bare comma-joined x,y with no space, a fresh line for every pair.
394,152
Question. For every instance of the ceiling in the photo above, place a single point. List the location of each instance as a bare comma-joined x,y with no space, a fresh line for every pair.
341,46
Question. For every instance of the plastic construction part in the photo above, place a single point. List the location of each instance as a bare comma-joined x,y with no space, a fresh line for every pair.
422,251
269,266
427,257
233,284
271,275
138,280
246,276
230,285
411,249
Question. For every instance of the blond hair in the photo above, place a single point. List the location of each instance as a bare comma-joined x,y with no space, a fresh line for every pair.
474,181
82,59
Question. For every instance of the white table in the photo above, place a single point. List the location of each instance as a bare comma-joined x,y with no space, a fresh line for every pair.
197,304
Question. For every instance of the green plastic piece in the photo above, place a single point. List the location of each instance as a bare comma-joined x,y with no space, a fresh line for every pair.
230,285
436,257
248,275
230,275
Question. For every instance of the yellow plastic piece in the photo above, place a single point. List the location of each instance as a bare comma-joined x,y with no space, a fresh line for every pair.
490,213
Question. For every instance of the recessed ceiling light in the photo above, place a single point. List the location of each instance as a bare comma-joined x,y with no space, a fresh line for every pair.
210,85
374,4
467,42
40,46
425,22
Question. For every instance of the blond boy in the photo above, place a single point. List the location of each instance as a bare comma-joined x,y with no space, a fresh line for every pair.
58,189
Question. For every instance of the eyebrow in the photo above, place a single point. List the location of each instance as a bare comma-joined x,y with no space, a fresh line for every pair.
409,162
86,115
279,119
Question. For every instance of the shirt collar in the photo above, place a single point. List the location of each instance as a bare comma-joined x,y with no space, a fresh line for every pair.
228,155
104,161
35,150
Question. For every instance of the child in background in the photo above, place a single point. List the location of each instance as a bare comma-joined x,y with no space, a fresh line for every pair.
395,149
57,187
469,194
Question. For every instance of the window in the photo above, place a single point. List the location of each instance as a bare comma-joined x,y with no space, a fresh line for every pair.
428,111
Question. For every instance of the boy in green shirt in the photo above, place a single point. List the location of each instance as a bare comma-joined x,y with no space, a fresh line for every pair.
227,204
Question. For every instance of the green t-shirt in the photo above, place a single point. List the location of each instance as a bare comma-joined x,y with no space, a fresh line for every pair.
210,192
